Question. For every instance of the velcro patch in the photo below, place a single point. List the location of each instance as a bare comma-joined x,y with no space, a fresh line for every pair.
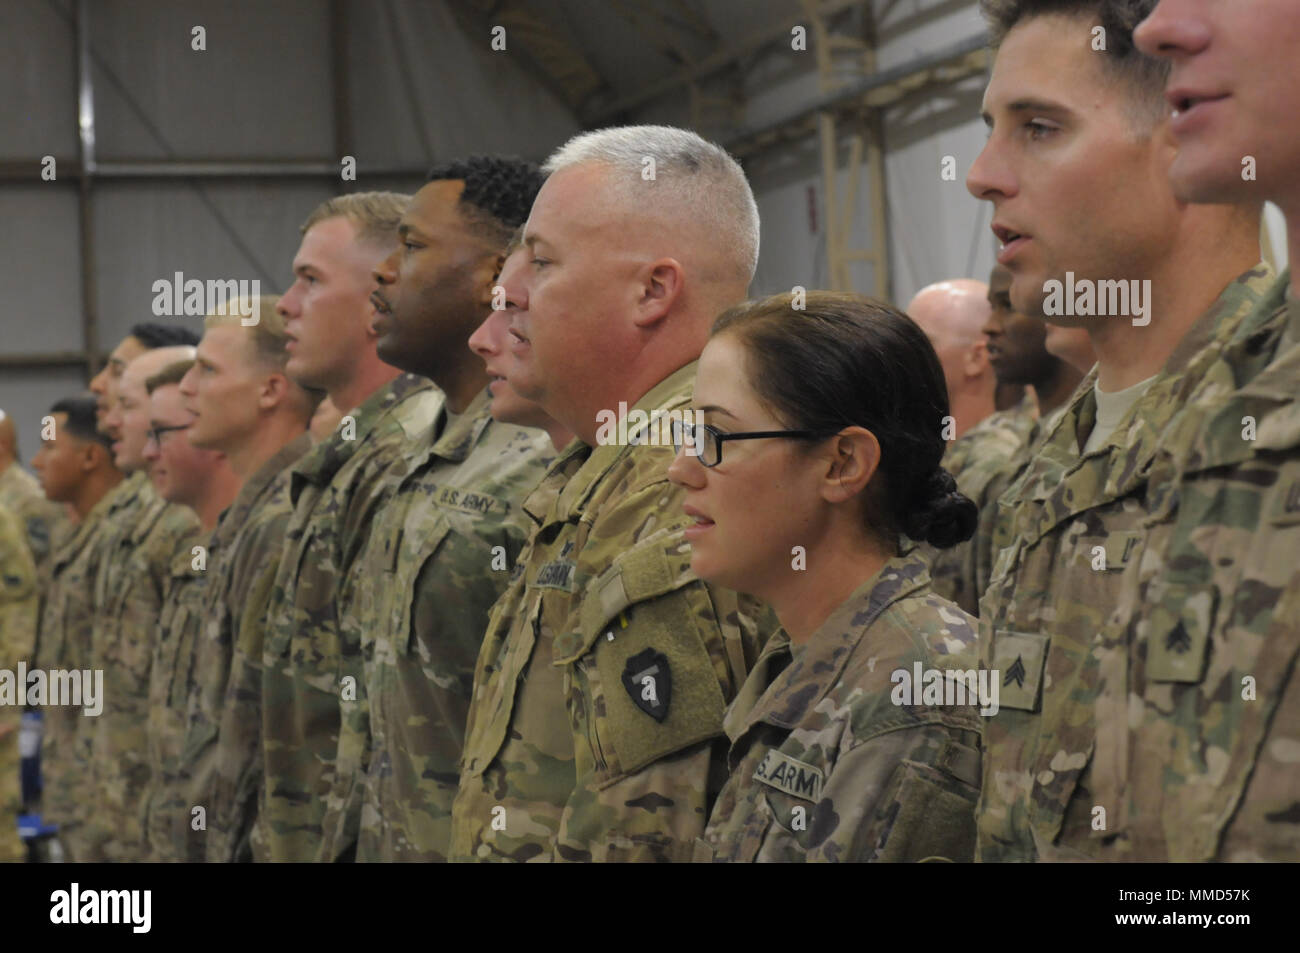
1019,658
467,501
1178,634
649,683
790,776
556,575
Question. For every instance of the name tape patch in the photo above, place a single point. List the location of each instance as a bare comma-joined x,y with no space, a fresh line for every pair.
791,776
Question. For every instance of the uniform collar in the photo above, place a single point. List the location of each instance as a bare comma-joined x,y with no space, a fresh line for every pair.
458,437
1066,481
320,466
595,463
253,491
83,531
817,666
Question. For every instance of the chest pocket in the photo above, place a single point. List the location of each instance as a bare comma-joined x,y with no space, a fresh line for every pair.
181,649
1119,549
397,588
656,689
130,649
287,625
513,639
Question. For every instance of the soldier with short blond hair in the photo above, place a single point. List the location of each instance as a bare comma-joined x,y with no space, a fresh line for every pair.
308,663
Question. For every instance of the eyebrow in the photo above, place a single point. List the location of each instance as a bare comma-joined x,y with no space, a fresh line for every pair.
714,408
1028,104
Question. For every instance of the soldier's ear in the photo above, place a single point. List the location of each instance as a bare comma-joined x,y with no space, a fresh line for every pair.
91,455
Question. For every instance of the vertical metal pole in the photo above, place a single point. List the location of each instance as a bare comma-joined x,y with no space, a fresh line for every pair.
340,79
86,150
875,128
834,233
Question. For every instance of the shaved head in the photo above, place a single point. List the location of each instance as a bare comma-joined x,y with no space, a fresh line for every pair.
952,313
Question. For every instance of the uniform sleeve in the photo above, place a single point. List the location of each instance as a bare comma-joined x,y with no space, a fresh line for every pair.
649,704
239,768
341,824
17,638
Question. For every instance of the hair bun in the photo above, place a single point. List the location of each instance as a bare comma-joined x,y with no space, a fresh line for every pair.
939,514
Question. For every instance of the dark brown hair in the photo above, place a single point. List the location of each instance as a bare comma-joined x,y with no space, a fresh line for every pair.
848,361
1144,75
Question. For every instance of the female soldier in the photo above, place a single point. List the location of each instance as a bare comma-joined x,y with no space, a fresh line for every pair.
811,465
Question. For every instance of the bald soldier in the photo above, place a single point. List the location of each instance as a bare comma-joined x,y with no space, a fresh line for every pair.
75,467
567,757
245,407
39,519
952,314
1066,777
205,482
336,488
18,607
148,533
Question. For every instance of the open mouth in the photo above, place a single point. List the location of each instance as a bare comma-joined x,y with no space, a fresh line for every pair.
1012,241
380,304
1185,102
700,520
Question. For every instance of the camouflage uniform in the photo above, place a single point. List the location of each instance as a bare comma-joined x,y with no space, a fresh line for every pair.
164,807
224,746
606,599
1074,524
983,461
1199,659
335,491
17,639
63,642
41,519
145,535
439,556
825,766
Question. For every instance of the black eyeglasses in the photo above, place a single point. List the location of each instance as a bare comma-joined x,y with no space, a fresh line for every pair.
705,442
156,433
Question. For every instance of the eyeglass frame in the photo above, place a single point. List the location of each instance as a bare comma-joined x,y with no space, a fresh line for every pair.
155,433
675,428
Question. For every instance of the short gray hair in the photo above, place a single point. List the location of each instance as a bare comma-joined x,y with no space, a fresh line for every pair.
698,178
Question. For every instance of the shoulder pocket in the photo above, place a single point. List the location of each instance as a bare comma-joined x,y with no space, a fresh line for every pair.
649,624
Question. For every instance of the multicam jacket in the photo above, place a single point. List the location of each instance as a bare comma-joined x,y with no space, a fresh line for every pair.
834,759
